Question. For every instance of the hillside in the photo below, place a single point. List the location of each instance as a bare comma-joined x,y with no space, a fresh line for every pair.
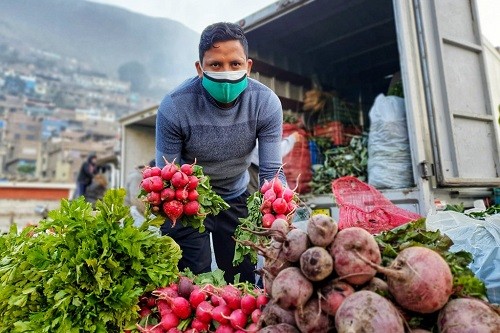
104,36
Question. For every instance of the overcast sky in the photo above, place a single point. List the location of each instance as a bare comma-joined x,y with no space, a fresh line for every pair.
197,14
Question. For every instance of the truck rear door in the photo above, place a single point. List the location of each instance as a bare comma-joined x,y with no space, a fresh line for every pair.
464,131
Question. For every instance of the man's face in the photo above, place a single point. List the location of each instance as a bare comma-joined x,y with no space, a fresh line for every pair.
224,56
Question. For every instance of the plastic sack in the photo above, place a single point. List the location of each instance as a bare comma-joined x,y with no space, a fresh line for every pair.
481,238
361,205
389,162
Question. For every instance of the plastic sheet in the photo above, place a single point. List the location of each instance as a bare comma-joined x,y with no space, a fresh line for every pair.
481,238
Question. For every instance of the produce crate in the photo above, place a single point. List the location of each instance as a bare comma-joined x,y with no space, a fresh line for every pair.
349,131
333,130
338,110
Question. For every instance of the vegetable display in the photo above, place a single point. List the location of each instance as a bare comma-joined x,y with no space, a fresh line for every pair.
197,304
180,193
274,202
82,270
361,282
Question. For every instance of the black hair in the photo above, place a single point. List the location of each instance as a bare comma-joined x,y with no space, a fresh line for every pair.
152,163
221,32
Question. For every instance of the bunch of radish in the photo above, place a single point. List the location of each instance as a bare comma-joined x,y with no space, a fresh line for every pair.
321,279
180,192
278,202
187,307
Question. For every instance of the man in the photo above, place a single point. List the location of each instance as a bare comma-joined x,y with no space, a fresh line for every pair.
216,117
87,172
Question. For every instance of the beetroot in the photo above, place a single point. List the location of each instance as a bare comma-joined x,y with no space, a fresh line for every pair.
310,318
346,249
462,315
296,242
274,314
321,230
279,328
291,289
378,286
333,294
316,263
366,311
419,279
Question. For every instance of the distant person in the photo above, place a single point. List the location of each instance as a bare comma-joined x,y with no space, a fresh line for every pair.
132,186
95,191
287,145
87,172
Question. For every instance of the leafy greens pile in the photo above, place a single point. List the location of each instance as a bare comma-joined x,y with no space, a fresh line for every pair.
82,270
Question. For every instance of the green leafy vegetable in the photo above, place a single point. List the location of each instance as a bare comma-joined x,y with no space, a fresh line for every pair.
82,270
243,232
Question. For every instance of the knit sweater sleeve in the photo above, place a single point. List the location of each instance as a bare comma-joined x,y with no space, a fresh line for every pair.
168,133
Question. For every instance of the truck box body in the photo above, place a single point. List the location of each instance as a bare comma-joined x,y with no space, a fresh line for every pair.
451,80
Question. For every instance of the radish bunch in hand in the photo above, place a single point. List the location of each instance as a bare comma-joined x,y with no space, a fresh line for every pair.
180,193
278,202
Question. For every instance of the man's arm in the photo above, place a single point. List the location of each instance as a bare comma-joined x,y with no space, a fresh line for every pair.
168,134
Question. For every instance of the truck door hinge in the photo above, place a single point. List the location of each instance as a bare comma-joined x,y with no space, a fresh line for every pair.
426,169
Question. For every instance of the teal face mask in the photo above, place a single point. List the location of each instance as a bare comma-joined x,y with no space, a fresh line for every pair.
225,87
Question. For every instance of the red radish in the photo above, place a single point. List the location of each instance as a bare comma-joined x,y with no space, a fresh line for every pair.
181,194
221,313
347,247
168,171
224,329
174,330
277,186
204,311
146,172
154,198
265,187
280,217
267,220
166,292
248,304
188,168
366,311
238,319
173,209
144,312
191,208
155,171
232,296
288,194
180,307
419,279
193,182
291,207
169,320
266,210
167,194
163,307
216,300
255,315
146,185
261,301
197,296
149,328
468,315
316,263
199,325
193,195
179,179
280,206
156,183
252,328
270,195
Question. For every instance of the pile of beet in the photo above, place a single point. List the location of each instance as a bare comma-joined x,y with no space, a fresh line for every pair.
322,279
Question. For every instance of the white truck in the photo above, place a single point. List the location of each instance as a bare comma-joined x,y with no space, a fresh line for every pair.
450,75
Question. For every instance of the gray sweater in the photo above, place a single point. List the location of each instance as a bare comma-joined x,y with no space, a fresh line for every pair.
190,125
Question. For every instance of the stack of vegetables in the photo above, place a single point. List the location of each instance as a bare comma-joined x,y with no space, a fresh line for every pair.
180,192
82,270
203,303
321,279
